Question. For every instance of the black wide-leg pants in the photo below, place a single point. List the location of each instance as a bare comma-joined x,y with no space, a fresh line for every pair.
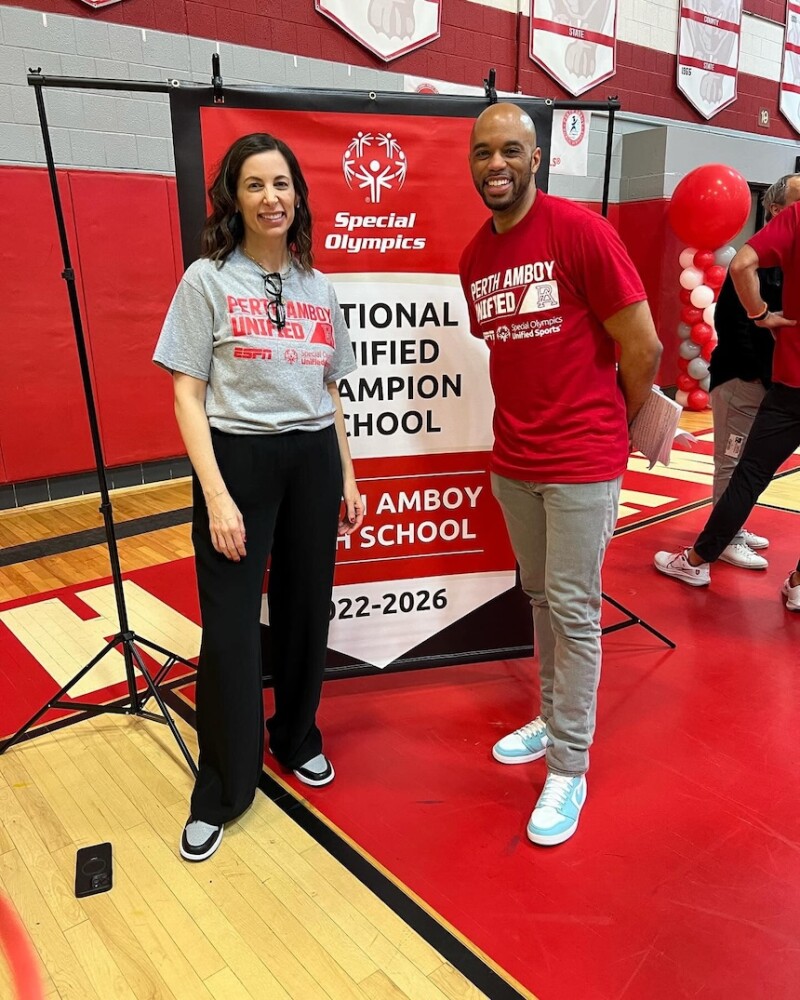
774,436
288,488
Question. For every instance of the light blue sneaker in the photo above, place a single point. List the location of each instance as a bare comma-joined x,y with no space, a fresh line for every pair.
523,745
555,816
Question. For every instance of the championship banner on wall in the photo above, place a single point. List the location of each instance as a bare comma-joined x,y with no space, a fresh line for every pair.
708,53
430,577
575,41
790,71
387,28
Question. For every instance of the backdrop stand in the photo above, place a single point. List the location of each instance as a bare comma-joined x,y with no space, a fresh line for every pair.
125,638
632,619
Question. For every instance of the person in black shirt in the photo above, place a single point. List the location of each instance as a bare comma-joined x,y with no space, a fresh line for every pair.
740,373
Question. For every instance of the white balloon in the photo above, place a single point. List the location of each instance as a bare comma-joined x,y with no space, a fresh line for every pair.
691,277
684,330
705,383
689,349
724,255
701,296
686,258
698,368
682,398
708,314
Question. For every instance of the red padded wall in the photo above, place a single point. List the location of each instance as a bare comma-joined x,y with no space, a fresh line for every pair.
125,247
43,426
654,249
126,257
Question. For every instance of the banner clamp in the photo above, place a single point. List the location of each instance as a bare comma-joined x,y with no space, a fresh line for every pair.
216,80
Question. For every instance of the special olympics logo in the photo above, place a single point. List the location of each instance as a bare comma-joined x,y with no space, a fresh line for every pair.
375,164
290,355
503,333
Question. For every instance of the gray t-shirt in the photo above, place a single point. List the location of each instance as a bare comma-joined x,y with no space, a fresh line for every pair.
261,380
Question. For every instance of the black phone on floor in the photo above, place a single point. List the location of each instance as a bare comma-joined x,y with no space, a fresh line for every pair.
93,870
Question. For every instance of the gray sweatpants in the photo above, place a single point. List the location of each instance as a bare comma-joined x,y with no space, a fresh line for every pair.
734,405
559,533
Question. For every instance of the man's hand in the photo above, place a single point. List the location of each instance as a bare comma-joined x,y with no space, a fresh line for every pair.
775,320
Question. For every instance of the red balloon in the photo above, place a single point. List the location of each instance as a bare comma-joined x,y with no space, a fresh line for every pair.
703,259
701,333
683,364
698,399
709,206
686,296
715,275
686,383
708,349
690,315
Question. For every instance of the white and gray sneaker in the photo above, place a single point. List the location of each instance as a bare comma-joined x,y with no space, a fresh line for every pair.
740,554
676,564
752,541
317,772
200,840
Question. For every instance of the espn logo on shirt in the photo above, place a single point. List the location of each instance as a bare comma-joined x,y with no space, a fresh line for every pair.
540,296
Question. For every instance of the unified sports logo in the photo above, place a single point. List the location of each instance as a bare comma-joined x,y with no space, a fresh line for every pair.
375,164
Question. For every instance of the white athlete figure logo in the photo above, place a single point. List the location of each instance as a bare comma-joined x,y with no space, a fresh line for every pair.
375,164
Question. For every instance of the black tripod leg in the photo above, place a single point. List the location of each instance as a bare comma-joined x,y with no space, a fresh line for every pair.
166,666
164,710
84,670
635,620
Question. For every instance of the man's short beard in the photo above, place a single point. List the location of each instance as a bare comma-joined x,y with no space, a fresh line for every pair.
516,196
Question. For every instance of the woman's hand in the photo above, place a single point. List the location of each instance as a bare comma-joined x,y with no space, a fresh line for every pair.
226,526
353,514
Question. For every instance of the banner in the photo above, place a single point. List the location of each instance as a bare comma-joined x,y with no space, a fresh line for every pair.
100,3
387,28
708,53
575,41
430,577
790,71
569,147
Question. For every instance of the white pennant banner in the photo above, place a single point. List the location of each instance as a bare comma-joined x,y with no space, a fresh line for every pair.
575,41
708,53
387,28
790,71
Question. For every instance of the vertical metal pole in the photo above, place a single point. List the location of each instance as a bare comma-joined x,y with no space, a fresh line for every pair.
612,108
68,274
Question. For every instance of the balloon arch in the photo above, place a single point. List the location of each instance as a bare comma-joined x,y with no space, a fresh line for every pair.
708,208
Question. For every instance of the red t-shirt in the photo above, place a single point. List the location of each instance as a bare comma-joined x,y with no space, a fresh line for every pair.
538,295
778,245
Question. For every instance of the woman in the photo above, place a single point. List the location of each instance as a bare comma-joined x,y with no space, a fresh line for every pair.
255,341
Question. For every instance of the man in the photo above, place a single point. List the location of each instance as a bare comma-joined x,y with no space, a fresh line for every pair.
775,433
553,293
741,370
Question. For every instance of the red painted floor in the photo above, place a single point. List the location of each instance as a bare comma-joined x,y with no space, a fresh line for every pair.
684,877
